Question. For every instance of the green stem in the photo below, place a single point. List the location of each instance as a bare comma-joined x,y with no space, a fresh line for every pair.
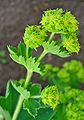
21,98
35,97
45,52
29,75
51,36
41,56
18,108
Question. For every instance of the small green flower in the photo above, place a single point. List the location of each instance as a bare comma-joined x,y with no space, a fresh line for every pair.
34,36
52,20
63,75
71,43
70,22
59,21
73,65
50,96
75,108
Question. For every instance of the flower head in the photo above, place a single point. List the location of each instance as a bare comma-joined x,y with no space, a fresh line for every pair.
59,21
70,42
50,96
34,36
75,107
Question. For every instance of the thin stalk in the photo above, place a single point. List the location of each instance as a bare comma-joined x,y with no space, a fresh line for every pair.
41,56
18,107
45,52
35,97
21,98
51,36
29,75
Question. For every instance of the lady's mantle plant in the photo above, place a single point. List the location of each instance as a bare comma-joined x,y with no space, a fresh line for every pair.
24,100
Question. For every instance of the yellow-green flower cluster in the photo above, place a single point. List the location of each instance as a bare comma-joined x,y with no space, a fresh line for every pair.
75,106
64,23
34,36
71,43
50,96
75,69
59,21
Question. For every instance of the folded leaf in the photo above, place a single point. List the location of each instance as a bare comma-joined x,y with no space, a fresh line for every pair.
56,49
43,114
32,106
35,90
18,55
33,65
21,91
9,101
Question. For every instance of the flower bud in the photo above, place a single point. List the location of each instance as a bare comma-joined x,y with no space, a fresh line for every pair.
50,96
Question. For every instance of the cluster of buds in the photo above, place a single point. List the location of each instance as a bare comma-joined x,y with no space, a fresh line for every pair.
50,96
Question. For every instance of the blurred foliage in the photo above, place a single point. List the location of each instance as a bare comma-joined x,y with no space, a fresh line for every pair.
72,105
68,79
70,74
2,57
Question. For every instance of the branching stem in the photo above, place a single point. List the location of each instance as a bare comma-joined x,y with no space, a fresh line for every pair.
41,56
21,98
29,75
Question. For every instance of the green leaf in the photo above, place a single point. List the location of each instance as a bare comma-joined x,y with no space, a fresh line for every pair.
4,114
35,90
47,111
18,54
12,50
18,59
22,49
33,65
54,48
32,106
9,101
21,91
